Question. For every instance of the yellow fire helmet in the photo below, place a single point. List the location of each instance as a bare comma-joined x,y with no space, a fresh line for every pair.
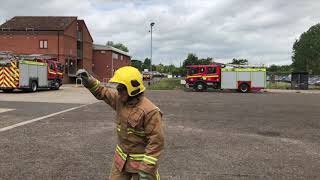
131,78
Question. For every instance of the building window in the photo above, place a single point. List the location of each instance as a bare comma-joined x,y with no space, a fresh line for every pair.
121,57
43,44
114,56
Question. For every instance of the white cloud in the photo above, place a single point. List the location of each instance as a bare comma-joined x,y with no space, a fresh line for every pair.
262,31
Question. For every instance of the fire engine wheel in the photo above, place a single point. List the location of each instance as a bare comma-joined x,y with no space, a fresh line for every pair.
200,86
56,85
34,86
244,88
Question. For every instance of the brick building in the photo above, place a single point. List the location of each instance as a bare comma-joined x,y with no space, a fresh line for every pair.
107,59
65,38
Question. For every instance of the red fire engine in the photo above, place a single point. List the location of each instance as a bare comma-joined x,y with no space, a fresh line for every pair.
30,73
220,76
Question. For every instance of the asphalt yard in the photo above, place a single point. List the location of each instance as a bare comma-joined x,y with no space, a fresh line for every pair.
67,134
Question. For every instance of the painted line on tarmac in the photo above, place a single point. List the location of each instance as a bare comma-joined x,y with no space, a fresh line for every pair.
41,118
2,110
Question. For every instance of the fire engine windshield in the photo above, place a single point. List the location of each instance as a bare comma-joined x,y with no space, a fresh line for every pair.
60,67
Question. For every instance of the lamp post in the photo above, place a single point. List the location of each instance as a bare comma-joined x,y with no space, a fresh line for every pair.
151,25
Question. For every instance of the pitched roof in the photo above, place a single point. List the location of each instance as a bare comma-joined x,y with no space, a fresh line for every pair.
109,48
82,21
39,23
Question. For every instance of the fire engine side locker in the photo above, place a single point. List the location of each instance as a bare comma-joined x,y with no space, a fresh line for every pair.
259,79
228,79
231,76
33,71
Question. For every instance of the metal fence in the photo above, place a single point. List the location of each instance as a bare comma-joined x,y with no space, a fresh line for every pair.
293,81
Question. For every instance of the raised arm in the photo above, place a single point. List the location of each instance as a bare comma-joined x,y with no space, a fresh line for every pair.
110,96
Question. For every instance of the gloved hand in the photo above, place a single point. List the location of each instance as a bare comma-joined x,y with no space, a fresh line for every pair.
85,76
143,175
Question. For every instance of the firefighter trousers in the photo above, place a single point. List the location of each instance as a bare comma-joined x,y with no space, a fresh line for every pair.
117,175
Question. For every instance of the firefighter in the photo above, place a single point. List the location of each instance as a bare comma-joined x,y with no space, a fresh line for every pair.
138,124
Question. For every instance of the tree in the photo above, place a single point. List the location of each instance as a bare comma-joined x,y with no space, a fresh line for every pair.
239,61
273,68
191,59
306,51
160,68
146,64
206,61
285,69
153,67
137,64
118,46
171,68
110,43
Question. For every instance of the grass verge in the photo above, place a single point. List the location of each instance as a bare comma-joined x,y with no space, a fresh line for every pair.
167,84
287,85
278,85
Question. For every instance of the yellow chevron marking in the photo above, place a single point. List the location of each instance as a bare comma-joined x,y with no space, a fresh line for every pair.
9,79
6,79
8,75
6,84
16,77
14,70
9,83
1,74
14,64
12,84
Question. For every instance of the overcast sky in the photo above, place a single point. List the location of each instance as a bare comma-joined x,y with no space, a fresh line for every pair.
263,31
